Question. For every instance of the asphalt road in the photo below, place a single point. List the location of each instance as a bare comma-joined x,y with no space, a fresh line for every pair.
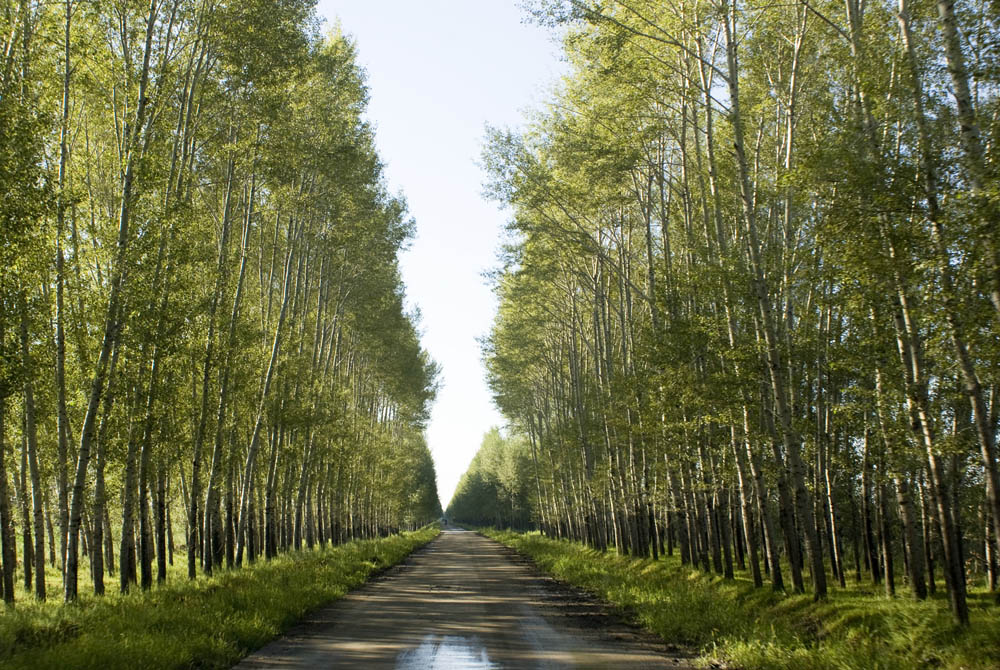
463,602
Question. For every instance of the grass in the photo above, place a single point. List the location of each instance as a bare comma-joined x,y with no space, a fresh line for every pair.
210,622
733,623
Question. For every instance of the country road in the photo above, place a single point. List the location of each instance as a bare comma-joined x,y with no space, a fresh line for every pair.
462,602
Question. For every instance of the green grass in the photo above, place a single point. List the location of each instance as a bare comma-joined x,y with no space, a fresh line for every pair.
743,627
205,623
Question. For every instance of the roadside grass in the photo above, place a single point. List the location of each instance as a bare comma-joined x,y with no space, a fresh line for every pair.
733,623
210,622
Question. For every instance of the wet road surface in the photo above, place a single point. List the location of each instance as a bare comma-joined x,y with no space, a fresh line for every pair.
462,603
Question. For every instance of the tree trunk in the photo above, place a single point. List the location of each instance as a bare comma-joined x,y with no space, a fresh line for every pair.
31,438
21,481
971,144
134,147
161,524
100,503
244,504
915,566
790,439
8,540
62,418
977,168
194,516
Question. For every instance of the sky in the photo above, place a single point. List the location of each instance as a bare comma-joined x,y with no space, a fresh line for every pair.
438,72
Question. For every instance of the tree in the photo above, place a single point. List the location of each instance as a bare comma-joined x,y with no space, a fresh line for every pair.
730,280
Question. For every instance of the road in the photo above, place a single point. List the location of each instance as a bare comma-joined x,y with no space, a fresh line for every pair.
463,603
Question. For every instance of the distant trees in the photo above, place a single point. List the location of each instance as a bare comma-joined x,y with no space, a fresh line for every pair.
748,310
496,489
202,322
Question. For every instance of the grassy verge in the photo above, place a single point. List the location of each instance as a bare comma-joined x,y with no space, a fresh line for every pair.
205,623
750,628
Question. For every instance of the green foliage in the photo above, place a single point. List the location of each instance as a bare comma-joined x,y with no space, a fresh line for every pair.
208,623
747,306
496,488
200,244
731,622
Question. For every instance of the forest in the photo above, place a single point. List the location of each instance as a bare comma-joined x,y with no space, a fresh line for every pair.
749,302
207,354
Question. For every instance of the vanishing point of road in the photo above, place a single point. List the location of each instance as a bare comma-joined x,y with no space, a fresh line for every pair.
463,603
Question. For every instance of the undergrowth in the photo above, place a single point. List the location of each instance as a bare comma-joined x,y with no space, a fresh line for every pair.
210,622
732,622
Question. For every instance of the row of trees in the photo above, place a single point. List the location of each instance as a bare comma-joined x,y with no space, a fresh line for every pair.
201,314
496,488
751,303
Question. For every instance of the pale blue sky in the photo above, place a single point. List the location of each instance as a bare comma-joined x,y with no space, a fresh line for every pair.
438,71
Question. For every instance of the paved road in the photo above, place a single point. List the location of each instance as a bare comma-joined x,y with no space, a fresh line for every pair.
463,602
